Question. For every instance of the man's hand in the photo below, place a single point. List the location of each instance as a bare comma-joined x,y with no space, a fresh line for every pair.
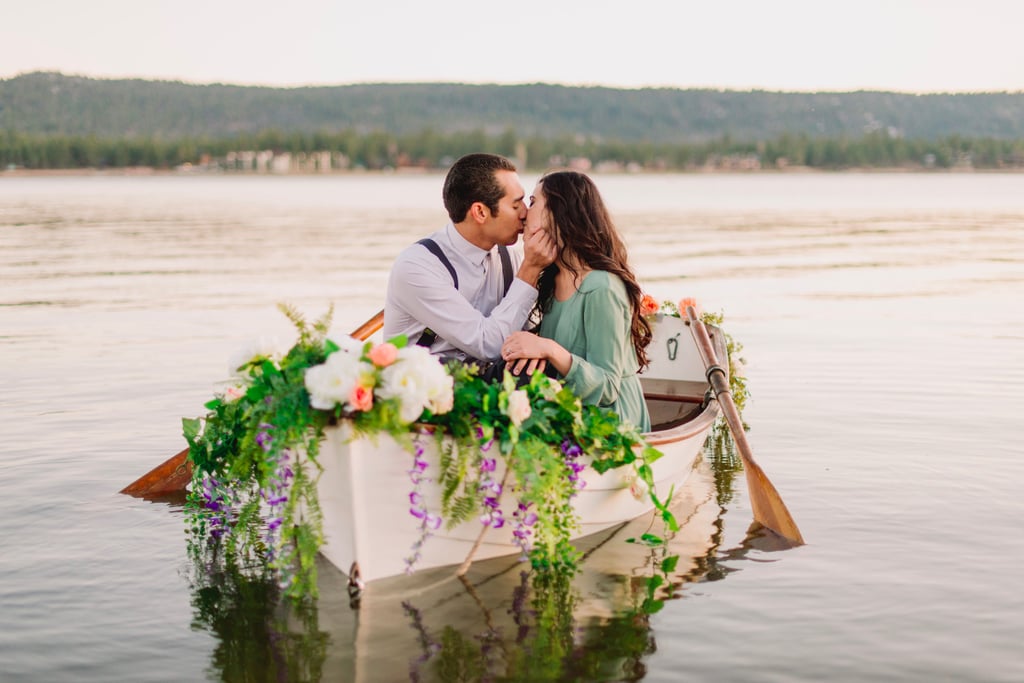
527,364
539,251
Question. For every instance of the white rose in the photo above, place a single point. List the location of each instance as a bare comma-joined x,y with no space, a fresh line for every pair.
441,396
269,348
350,345
518,406
404,380
550,389
331,382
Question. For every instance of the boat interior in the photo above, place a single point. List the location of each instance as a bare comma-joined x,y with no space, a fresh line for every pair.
672,402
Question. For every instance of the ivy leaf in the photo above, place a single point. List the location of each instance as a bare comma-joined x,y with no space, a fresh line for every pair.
652,606
190,427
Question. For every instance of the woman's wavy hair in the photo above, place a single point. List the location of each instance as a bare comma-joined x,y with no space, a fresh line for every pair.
582,224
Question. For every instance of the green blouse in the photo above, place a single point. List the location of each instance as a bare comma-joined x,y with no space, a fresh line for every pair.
594,326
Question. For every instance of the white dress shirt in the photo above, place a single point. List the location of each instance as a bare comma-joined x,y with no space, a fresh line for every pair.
470,322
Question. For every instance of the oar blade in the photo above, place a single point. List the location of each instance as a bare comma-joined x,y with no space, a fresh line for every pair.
175,473
170,476
767,506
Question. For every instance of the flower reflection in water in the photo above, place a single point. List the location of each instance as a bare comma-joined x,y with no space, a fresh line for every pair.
500,622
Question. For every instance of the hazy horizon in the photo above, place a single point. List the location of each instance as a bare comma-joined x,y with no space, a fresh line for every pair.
904,46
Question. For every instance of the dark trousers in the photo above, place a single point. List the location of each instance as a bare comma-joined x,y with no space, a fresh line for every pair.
494,371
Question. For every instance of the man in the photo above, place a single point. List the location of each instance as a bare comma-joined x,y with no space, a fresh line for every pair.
454,295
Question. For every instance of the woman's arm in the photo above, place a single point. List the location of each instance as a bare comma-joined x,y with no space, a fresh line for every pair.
596,377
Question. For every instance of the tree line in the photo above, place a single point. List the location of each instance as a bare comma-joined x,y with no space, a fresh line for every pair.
54,104
432,150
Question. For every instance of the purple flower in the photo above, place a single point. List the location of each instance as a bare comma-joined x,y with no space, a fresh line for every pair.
263,439
571,449
488,465
415,498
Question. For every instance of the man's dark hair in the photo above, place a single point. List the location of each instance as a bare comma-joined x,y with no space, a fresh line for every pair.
471,179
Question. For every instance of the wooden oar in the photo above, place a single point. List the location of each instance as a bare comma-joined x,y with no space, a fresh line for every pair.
175,473
769,510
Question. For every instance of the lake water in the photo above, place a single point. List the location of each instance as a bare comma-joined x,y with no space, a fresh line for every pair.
883,329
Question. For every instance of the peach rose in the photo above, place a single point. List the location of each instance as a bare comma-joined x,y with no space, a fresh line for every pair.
689,301
648,305
383,355
232,394
361,397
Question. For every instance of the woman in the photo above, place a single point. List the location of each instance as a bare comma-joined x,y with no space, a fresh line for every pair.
591,331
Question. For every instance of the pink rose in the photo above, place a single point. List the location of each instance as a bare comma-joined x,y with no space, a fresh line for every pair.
361,397
383,355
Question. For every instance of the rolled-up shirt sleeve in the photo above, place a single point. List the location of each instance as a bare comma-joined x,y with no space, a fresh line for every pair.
421,295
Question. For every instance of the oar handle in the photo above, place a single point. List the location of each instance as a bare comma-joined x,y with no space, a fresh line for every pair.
718,378
364,331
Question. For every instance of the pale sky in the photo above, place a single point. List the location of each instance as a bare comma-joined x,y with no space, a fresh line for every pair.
791,45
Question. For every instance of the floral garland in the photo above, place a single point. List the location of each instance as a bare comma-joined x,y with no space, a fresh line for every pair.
254,453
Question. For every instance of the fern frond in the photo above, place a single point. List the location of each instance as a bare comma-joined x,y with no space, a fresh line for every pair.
461,509
295,315
322,325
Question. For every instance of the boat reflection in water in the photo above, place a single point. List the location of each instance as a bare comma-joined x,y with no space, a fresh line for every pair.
500,621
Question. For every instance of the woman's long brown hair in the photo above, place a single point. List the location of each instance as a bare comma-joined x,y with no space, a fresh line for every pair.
582,224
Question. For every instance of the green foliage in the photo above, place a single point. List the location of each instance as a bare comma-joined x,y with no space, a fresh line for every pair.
548,643
253,499
251,493
256,638
535,452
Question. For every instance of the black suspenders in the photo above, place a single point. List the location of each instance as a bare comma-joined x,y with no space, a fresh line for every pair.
429,336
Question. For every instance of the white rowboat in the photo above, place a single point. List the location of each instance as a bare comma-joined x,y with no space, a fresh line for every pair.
364,484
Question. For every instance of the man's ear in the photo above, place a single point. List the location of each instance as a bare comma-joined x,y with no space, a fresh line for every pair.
479,212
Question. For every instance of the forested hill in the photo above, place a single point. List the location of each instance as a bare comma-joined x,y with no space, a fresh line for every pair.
54,104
